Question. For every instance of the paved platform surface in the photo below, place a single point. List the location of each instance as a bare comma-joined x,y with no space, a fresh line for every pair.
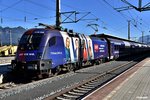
135,87
133,84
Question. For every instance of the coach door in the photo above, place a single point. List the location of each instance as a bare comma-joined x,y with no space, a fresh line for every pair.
81,43
111,50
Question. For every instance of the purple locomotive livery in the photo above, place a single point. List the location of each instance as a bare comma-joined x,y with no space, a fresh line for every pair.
49,51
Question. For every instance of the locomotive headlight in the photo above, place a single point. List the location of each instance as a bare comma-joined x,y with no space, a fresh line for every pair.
39,55
35,66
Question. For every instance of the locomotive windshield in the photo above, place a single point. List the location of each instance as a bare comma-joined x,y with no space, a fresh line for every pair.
30,41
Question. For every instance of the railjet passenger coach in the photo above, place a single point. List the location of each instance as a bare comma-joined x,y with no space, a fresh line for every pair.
49,51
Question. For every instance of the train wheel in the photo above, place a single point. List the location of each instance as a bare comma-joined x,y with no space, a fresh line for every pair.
100,61
92,63
79,65
49,73
71,67
57,71
75,67
97,62
40,76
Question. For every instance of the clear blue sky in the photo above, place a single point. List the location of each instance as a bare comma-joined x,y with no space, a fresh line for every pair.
110,21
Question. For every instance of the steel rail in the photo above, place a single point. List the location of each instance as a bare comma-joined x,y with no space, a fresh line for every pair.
80,90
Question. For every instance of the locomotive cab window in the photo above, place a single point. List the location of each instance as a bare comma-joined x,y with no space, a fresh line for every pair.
102,39
29,41
52,41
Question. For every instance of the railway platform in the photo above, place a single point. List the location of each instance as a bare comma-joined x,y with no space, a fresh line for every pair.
133,84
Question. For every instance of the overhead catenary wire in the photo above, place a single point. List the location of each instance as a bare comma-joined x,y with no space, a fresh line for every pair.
10,6
143,22
124,16
40,17
136,20
111,29
7,7
23,11
37,16
40,5
87,21
139,22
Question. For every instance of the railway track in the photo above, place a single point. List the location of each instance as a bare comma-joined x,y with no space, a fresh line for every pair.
70,89
80,90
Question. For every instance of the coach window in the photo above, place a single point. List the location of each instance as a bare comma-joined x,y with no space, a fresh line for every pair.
52,41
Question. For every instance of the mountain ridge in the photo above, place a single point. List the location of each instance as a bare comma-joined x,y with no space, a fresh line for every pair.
16,33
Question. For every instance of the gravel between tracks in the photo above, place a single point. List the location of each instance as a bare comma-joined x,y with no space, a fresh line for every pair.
40,89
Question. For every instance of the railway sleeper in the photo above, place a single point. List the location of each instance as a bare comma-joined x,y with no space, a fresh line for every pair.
75,93
88,87
85,89
70,95
62,98
79,91
93,81
91,85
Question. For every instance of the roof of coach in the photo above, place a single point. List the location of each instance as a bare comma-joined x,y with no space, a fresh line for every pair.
112,37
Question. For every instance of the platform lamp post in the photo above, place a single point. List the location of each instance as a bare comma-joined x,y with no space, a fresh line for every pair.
142,36
10,37
1,38
129,29
147,39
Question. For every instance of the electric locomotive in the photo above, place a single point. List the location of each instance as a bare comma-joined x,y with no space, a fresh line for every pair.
49,51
